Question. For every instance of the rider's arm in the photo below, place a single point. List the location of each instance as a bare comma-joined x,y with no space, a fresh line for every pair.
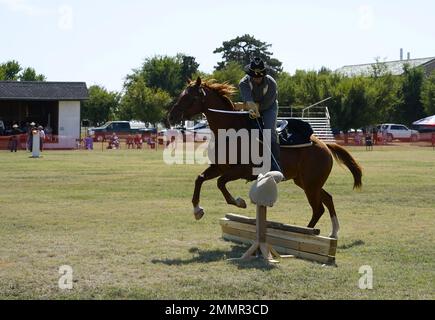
271,95
245,90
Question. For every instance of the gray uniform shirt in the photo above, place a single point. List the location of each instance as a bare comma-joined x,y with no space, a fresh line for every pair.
265,94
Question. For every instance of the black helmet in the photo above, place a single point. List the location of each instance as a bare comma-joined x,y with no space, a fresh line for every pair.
256,69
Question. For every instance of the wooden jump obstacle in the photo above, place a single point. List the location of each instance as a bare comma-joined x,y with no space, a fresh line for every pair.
280,239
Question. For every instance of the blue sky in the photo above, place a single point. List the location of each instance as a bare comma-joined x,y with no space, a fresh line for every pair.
101,41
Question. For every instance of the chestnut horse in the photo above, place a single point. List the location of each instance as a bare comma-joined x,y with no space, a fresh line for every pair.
309,167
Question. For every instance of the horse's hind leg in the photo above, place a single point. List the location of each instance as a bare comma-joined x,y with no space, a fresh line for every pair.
315,201
222,181
211,173
329,203
317,206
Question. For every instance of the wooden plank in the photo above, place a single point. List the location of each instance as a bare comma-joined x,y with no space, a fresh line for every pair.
273,225
316,240
284,251
288,234
237,239
306,255
282,242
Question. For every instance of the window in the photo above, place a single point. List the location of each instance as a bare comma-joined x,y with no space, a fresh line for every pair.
123,126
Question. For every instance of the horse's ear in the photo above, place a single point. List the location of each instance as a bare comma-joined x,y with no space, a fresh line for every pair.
198,82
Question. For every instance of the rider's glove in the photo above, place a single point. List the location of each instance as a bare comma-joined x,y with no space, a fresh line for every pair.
253,109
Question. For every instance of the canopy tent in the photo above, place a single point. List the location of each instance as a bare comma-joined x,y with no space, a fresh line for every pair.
429,121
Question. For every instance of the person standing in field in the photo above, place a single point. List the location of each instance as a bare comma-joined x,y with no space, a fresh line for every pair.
41,137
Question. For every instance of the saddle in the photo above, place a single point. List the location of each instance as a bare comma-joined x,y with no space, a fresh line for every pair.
294,133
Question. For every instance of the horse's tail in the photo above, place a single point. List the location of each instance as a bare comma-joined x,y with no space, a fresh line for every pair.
343,156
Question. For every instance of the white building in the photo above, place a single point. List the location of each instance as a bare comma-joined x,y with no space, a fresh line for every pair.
53,105
396,68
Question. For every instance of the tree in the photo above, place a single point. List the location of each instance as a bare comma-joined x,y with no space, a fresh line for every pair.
189,67
29,74
411,108
286,89
325,71
143,103
308,87
242,49
11,70
349,107
232,73
384,96
165,73
101,106
379,69
428,94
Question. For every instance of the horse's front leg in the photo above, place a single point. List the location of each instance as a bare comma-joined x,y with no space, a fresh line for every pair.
222,181
211,173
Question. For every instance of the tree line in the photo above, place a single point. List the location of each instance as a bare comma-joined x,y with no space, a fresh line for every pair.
13,71
356,102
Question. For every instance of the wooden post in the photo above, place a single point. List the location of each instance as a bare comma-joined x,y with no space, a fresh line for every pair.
260,246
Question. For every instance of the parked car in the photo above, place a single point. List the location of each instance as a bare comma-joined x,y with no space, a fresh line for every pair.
398,132
200,132
122,129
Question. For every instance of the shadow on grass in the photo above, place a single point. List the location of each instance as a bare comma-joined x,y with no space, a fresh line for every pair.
201,256
354,243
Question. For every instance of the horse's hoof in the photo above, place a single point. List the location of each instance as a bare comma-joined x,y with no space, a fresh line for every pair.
333,236
241,203
198,213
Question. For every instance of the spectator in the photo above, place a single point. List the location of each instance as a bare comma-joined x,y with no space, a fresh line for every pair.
13,141
114,142
89,143
138,141
375,136
41,138
369,142
130,142
357,138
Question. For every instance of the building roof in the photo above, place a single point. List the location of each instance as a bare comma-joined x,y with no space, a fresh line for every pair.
47,91
395,67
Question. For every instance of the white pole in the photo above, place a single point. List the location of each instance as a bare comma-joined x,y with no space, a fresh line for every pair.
36,144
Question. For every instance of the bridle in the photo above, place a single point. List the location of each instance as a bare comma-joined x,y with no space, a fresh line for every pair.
195,99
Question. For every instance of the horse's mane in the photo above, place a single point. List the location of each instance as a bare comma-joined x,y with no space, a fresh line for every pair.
224,90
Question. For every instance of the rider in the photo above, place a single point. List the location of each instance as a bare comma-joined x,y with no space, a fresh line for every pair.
259,88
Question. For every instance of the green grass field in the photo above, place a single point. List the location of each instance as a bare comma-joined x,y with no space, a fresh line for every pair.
123,221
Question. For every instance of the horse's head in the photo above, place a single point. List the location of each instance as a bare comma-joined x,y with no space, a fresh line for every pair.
190,103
